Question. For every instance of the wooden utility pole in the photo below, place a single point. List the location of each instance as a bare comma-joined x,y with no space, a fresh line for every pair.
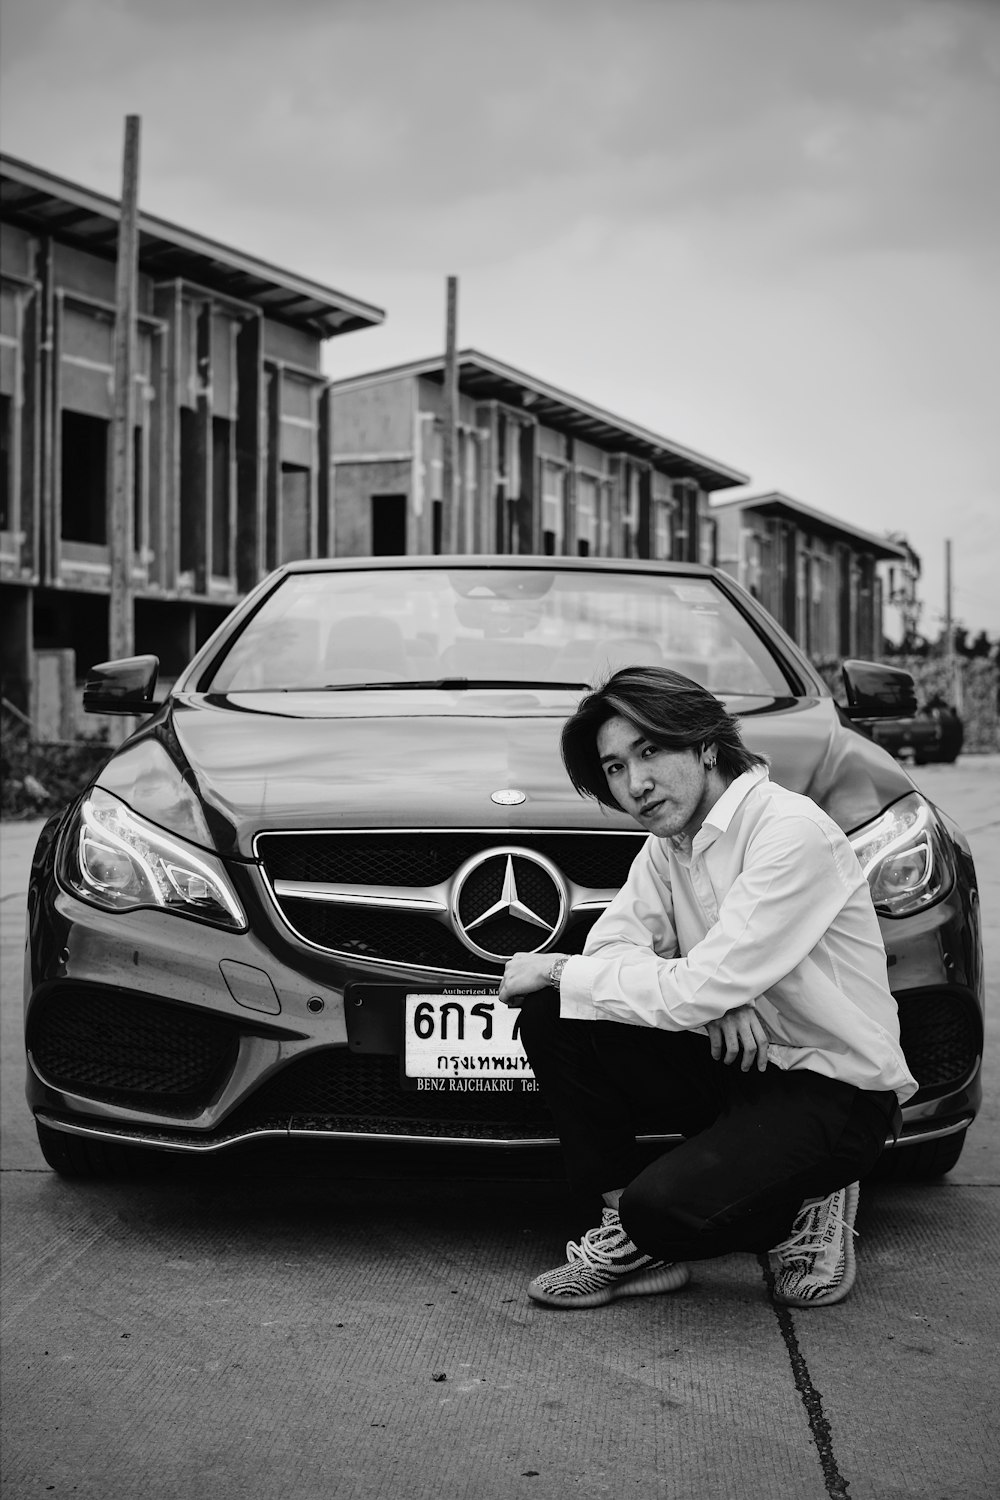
121,624
449,484
954,676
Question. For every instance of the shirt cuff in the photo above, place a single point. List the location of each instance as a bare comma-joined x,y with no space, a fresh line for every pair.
575,999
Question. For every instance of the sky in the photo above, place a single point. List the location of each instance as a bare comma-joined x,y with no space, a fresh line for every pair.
766,229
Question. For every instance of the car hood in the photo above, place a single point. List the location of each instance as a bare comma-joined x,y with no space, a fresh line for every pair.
417,759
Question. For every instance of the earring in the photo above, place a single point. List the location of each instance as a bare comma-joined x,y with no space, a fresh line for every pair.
710,764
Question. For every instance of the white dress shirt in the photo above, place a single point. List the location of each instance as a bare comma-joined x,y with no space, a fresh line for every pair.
768,906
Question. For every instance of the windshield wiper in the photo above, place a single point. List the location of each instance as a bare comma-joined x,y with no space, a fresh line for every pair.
455,684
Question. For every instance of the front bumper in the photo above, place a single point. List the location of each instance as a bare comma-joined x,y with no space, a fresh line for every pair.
209,1039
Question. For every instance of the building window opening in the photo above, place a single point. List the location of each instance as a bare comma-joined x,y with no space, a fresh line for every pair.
513,536
84,478
662,542
435,464
434,478
192,491
553,492
514,461
138,489
708,545
586,515
388,525
222,490
500,492
470,483
6,462
295,505
630,515
604,520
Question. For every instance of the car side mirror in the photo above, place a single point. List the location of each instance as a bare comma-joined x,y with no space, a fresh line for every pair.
122,687
878,692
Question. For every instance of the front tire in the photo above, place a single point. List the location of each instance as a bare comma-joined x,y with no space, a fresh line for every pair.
920,1163
78,1157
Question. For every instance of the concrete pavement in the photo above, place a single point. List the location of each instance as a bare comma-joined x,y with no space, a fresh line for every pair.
268,1328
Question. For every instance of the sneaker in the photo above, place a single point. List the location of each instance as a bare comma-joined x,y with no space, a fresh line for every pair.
603,1266
814,1267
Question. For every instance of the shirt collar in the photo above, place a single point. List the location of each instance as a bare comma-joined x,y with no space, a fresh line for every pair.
719,817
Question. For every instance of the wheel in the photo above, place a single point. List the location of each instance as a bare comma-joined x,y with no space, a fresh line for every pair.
919,1163
77,1156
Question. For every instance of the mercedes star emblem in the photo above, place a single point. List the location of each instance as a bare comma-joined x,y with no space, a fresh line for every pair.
508,900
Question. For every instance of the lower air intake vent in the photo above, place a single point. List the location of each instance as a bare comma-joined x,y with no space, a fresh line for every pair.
941,1038
129,1049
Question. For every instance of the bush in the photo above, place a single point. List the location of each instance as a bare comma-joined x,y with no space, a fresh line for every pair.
37,778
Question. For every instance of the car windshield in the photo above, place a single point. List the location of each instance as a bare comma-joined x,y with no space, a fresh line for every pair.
477,627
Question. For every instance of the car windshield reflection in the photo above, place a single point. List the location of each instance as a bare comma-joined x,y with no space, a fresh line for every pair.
455,629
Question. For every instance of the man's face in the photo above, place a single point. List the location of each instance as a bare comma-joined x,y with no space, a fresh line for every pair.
666,791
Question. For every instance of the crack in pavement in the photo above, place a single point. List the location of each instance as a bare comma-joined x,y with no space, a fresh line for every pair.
819,1426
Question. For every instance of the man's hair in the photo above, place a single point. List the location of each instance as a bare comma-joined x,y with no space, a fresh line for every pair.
671,711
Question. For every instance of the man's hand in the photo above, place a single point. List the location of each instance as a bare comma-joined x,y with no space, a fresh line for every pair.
739,1030
524,974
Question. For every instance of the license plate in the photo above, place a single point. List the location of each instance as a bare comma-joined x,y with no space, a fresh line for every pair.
459,1037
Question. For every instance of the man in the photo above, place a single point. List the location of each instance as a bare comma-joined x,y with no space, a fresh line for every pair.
745,933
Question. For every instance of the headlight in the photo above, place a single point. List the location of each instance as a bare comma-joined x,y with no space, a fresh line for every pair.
906,858
118,861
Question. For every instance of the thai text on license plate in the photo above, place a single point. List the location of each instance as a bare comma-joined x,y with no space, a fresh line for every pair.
463,1035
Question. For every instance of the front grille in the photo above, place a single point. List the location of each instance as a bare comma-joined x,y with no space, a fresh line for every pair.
414,939
594,861
130,1049
360,1093
597,860
942,1040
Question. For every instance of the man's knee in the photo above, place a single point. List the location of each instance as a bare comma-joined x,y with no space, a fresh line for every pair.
690,1204
691,1191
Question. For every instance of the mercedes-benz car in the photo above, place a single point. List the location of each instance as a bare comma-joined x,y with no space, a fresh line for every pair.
282,908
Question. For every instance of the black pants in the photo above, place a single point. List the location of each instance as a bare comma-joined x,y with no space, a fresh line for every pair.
756,1144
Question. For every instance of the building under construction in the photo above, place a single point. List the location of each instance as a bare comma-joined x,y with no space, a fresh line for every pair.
231,436
817,575
536,470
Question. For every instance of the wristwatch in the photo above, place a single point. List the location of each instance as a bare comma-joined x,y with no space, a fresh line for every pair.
555,973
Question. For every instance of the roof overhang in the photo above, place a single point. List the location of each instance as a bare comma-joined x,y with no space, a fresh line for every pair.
45,204
783,507
487,379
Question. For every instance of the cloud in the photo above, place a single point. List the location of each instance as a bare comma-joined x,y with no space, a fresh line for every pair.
398,129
